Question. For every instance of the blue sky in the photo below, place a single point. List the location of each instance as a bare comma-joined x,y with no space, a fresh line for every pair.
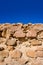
24,11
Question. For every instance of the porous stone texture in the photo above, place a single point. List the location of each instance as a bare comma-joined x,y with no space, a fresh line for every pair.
21,44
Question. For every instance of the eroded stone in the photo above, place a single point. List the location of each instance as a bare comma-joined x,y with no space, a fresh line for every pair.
31,53
19,34
31,33
35,42
16,54
11,41
4,53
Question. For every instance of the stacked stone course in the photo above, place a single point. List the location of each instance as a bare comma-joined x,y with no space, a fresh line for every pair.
21,44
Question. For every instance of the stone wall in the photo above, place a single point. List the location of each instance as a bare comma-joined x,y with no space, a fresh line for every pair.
21,44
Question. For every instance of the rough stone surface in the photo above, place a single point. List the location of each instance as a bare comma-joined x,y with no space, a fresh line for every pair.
21,44
15,54
35,42
11,41
19,34
31,53
31,33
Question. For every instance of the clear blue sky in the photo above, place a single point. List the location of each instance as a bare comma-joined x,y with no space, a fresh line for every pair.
25,11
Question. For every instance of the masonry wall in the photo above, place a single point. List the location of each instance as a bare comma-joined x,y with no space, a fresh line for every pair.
21,44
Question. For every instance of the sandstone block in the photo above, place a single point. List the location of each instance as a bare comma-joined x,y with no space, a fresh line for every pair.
2,40
31,33
38,27
16,54
40,36
10,48
31,53
4,53
35,42
19,34
11,41
39,48
39,53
